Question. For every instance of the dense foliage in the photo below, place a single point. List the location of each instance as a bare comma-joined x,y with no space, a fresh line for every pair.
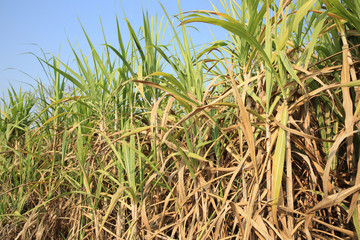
253,137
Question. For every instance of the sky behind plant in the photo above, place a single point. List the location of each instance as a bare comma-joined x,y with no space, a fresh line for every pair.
29,26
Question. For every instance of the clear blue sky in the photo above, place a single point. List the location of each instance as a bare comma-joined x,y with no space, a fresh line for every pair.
50,24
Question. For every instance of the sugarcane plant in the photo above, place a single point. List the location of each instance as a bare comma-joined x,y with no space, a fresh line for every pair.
251,136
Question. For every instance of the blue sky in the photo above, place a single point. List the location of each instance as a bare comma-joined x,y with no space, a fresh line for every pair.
26,26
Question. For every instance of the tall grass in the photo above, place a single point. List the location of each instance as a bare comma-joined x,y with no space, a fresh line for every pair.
251,137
